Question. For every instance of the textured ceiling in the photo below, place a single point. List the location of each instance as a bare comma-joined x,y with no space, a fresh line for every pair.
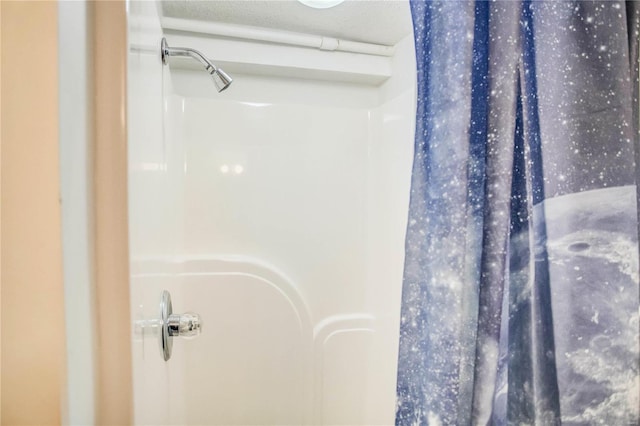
373,21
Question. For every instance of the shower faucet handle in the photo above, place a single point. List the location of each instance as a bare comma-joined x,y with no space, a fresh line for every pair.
175,325
187,325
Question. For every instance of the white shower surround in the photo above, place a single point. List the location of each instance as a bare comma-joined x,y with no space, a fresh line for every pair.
277,211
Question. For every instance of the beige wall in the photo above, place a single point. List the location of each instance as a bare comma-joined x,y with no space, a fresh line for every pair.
0,213
32,345
112,257
32,315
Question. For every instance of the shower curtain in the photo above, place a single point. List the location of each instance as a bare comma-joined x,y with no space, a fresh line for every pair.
520,297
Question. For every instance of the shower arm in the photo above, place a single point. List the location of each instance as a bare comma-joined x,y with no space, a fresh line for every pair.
188,52
221,79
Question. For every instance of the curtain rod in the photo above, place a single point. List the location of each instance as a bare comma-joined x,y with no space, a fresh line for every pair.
275,36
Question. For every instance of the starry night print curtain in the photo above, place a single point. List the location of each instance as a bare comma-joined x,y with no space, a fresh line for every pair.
520,298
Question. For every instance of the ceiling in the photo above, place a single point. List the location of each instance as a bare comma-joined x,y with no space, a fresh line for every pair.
372,21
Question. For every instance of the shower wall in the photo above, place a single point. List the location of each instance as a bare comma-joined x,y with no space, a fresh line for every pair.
276,210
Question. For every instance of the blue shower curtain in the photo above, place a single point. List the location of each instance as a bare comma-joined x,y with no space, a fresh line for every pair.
520,298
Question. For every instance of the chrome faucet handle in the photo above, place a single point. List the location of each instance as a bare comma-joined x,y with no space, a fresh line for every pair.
187,325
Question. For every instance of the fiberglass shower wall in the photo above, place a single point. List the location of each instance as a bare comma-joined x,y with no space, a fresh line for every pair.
276,210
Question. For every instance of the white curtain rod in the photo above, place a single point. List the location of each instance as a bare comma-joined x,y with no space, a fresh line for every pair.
275,36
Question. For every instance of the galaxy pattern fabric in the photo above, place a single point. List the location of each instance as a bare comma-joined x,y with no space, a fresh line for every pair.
520,298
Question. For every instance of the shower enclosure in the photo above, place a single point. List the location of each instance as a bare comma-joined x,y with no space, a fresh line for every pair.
275,210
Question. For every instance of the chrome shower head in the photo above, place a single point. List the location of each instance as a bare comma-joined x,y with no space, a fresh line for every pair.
220,78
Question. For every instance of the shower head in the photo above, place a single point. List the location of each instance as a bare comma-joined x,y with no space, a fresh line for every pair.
220,78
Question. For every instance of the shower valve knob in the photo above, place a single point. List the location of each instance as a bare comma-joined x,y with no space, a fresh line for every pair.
175,325
185,325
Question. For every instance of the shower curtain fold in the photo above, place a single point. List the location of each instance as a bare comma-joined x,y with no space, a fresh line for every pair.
520,296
